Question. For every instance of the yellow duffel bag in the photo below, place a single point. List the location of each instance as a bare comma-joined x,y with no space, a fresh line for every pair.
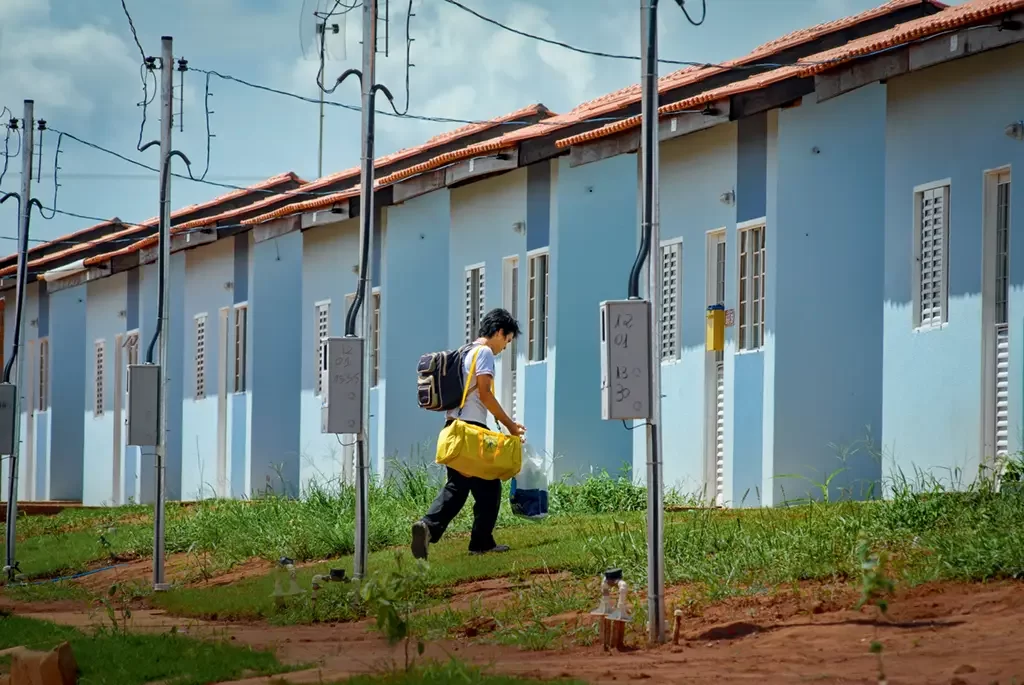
478,452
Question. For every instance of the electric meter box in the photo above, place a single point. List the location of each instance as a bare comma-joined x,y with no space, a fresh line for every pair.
341,410
143,415
625,360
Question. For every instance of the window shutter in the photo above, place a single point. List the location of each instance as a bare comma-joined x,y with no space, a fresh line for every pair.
200,357
933,226
100,370
323,313
670,258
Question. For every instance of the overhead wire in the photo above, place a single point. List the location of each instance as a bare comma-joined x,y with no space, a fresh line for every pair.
145,71
686,13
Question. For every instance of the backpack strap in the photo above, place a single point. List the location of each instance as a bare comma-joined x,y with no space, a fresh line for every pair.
472,371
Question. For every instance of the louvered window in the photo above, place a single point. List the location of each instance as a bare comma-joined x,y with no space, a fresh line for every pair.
100,373
537,296
475,301
323,321
932,236
751,287
671,283
200,357
44,374
241,345
375,350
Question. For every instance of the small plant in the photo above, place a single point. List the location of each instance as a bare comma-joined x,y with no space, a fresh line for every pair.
391,596
117,602
876,586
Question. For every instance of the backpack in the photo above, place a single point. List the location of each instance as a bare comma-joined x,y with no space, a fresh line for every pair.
441,379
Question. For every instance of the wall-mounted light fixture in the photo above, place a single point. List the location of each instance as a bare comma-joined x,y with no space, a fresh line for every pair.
519,227
1016,130
122,314
728,197
33,323
228,285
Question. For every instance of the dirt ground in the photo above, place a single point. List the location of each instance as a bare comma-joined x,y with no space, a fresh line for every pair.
939,633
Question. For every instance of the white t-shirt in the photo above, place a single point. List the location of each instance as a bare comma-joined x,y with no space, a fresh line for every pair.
474,410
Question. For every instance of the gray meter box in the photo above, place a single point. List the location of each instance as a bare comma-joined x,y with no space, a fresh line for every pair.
625,360
342,383
8,409
143,415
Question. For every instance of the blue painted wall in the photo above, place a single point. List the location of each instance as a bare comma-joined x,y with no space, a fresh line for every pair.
695,171
106,300
415,316
828,301
593,245
933,379
276,315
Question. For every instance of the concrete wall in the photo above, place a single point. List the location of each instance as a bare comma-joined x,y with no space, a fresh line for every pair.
276,315
826,278
415,317
948,122
33,464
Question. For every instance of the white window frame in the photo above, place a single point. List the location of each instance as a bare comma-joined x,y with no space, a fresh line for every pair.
375,303
44,374
474,301
918,196
510,275
746,304
538,314
199,347
240,337
319,333
99,348
671,316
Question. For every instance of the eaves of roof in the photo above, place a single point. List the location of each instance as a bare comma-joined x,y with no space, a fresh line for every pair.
950,19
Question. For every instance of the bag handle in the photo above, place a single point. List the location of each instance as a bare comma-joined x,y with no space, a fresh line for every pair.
472,371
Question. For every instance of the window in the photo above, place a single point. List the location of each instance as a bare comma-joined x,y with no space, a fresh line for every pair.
131,344
537,316
44,373
751,287
475,300
1002,182
322,322
671,282
200,356
376,337
100,362
931,234
240,347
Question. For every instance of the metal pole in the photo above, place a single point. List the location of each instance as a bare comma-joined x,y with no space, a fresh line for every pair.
320,148
649,218
28,138
366,227
166,124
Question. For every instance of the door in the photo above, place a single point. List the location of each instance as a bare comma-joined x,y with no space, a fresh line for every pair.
996,309
714,444
119,373
510,357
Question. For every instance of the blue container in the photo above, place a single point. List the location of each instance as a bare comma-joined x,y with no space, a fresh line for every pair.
532,504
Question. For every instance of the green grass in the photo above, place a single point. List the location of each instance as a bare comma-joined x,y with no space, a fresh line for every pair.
450,673
106,657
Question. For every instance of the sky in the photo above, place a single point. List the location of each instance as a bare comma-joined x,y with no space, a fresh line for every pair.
78,61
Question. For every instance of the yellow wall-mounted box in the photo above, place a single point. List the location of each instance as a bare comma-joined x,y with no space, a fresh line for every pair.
715,337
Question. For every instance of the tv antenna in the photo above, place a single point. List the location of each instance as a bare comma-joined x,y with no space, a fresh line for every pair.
322,38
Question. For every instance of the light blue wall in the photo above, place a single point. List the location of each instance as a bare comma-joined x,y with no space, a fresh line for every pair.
415,267
695,171
276,317
826,263
948,122
593,245
106,299
209,283
330,255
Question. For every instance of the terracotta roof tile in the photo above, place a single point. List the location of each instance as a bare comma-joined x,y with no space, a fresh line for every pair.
130,229
953,18
630,95
309,205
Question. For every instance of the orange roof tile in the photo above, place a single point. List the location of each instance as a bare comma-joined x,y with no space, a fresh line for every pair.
309,205
149,223
624,97
952,18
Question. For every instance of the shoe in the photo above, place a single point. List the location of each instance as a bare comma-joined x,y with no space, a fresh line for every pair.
497,549
420,540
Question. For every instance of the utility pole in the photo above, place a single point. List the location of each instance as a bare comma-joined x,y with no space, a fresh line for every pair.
28,139
166,125
649,225
366,227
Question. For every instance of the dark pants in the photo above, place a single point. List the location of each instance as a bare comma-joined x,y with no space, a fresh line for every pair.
451,499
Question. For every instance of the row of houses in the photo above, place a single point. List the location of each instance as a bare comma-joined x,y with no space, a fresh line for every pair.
844,192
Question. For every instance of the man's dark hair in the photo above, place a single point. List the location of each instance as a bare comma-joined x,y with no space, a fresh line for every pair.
498,320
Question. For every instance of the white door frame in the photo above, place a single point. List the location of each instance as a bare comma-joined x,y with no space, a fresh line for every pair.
226,339
711,363
31,371
990,340
510,275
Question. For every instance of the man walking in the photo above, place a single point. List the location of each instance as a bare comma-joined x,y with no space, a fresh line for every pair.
497,329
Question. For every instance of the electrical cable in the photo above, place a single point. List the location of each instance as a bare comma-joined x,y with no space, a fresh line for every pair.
209,136
145,71
56,185
703,11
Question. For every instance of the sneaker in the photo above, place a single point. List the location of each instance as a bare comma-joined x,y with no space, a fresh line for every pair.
497,550
420,540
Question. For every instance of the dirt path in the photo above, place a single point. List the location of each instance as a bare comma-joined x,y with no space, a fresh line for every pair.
941,633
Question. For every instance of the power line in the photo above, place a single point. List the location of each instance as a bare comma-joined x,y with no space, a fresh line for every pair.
703,11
